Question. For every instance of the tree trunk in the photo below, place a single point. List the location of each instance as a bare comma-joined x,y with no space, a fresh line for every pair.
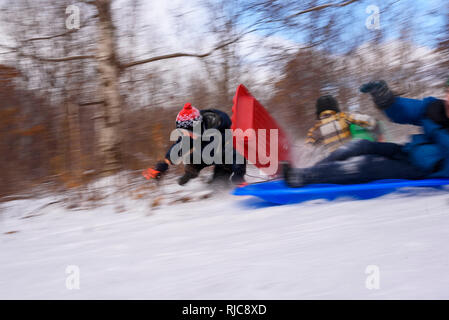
108,126
76,161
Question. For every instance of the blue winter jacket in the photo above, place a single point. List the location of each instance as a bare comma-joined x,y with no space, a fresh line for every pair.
428,151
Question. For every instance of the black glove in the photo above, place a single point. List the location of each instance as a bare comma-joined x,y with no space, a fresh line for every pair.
383,97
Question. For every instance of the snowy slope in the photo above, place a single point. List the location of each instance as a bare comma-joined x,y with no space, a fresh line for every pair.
227,247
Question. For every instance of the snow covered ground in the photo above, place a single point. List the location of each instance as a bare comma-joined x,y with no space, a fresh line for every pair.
226,247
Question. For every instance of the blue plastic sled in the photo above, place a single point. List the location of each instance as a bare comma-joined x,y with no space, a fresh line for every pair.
278,192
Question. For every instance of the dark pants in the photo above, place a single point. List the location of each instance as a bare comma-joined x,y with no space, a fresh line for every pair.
222,172
358,161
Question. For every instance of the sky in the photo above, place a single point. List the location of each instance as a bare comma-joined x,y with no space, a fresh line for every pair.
393,15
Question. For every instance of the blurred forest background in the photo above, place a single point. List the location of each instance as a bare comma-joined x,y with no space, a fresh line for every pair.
78,103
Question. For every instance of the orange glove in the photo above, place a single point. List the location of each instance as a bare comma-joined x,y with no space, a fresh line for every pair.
151,173
155,173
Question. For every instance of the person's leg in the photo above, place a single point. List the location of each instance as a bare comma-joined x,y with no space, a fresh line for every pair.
359,169
364,147
190,171
222,173
239,172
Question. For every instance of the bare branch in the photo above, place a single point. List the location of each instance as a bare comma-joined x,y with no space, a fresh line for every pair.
321,7
180,54
50,37
7,47
91,103
313,45
63,59
89,2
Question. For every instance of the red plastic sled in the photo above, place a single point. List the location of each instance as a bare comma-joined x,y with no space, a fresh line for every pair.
248,113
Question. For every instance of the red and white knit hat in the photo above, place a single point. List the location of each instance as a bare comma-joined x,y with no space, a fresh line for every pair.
186,116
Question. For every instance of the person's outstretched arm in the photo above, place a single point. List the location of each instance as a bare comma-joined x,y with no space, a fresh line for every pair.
398,109
161,166
407,111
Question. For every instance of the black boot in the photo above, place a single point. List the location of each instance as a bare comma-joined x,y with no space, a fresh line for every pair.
221,175
237,179
292,176
190,173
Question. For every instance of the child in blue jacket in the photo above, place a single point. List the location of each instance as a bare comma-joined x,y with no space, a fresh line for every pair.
425,156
